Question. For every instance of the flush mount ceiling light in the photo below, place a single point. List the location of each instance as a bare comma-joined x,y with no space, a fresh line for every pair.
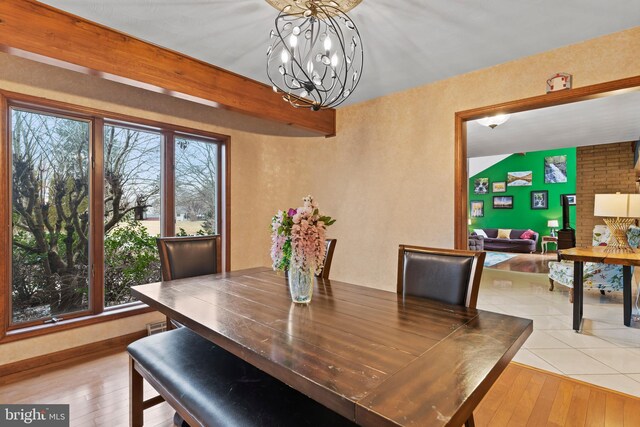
315,54
494,121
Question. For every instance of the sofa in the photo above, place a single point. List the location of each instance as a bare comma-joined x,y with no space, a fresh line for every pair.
476,243
513,244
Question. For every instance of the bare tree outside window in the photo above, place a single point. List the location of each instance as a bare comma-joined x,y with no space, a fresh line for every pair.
50,204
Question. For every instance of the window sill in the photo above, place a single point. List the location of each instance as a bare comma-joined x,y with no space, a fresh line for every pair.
64,325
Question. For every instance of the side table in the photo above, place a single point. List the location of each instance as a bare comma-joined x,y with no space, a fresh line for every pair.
546,240
601,254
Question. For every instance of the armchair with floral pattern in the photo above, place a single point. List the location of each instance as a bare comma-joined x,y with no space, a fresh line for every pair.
604,277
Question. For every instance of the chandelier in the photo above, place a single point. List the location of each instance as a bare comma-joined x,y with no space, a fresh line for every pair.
315,57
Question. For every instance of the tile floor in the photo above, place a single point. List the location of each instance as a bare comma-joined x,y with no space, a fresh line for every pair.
605,352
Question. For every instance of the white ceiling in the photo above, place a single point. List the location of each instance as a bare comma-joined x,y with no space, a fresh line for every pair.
407,42
614,118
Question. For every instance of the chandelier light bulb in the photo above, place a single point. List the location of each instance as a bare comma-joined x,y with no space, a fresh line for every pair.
315,56
327,44
334,60
284,56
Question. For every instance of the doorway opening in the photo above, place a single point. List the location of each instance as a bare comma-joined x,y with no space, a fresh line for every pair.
462,131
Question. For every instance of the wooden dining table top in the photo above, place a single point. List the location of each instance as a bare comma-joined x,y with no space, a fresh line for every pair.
602,254
368,354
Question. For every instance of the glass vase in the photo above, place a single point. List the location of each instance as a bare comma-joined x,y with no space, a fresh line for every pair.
301,284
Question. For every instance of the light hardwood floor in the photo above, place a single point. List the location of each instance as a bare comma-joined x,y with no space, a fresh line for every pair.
97,391
525,396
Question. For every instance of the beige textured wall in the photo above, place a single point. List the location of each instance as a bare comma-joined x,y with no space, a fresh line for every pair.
387,177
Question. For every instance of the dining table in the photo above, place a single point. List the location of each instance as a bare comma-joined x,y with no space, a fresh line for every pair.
374,356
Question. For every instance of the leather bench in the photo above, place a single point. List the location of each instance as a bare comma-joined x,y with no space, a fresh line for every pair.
208,386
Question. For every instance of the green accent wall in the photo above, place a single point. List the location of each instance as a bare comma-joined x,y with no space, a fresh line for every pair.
522,216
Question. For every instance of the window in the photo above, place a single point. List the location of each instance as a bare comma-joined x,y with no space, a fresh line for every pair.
196,187
50,209
89,195
131,210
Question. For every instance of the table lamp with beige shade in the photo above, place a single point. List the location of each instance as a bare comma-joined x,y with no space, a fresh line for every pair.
620,212
553,225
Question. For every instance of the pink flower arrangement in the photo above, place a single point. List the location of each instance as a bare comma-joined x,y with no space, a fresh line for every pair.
298,237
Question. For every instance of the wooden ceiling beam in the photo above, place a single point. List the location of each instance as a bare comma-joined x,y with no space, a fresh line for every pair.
41,32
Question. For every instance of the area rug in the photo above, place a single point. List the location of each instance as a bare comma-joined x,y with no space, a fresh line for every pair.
494,258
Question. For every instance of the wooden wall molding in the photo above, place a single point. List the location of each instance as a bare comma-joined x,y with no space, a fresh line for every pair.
16,371
43,33
461,198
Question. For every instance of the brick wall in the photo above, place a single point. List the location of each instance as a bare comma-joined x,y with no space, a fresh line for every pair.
601,169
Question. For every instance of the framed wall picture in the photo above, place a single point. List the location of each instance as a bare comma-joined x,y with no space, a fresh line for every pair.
477,208
555,169
499,186
540,199
518,179
502,202
481,186
571,197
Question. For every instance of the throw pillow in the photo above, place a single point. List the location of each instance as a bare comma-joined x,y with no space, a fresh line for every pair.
527,234
480,232
504,233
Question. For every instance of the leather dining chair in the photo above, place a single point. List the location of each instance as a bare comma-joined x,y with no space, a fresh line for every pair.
447,275
328,256
189,256
444,275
